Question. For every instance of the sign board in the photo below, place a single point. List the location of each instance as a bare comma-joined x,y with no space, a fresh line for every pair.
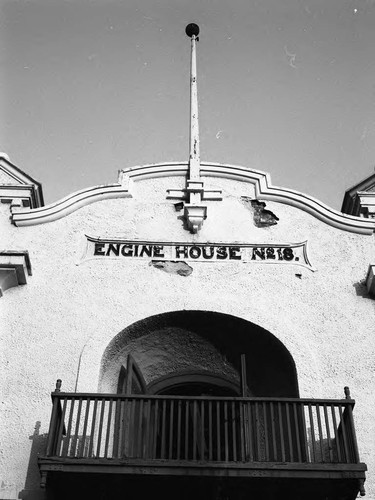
288,253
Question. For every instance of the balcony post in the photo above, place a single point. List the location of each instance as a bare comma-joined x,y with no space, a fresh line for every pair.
353,436
53,422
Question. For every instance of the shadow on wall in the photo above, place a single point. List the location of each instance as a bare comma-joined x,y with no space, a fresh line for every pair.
361,289
32,490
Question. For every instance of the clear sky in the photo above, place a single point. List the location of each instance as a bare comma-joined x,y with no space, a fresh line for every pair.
285,86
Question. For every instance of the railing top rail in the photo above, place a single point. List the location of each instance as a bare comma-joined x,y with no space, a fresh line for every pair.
108,396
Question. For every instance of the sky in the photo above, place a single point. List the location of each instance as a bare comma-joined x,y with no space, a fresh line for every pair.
88,87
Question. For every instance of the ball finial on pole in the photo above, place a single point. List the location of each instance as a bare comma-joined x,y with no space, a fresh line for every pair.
192,29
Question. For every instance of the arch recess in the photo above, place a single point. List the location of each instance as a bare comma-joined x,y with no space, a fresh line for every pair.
202,342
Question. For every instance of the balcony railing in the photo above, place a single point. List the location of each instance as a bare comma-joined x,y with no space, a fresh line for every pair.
127,437
202,429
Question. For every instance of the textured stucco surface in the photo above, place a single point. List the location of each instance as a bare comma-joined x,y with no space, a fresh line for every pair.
164,352
60,324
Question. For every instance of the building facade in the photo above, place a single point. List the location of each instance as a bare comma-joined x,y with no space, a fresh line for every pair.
216,360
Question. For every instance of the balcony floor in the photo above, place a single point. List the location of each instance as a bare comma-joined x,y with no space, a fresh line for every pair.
133,466
274,482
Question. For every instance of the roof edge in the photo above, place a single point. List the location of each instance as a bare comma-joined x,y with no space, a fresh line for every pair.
260,180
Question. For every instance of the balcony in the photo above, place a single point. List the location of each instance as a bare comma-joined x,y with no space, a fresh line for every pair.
308,441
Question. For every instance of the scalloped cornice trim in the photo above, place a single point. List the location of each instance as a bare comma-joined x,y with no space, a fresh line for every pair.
260,180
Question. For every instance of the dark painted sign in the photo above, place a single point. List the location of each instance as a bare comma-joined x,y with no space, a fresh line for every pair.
290,253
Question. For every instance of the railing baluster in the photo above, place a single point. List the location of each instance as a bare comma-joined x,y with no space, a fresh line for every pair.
203,444
163,418
117,434
61,429
218,431
148,435
125,440
187,411
130,435
81,451
155,430
109,418
266,433
353,447
171,410
234,434
75,442
242,429
99,443
117,428
343,428
65,448
257,434
93,422
353,437
195,429
178,451
296,427
304,428
139,442
226,444
210,430
250,429
329,442
53,427
290,442
320,432
281,427
273,431
335,429
312,433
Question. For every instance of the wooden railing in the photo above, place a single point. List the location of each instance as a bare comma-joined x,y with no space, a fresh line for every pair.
202,429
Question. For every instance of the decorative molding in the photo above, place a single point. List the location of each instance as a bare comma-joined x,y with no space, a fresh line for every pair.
68,204
370,280
194,216
14,267
260,180
18,188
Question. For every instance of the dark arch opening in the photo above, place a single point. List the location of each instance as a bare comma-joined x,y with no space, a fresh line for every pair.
194,384
271,370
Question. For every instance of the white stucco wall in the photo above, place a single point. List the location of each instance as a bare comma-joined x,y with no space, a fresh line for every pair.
61,322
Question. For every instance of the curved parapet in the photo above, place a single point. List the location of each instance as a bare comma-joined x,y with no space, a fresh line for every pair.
68,205
260,180
265,191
